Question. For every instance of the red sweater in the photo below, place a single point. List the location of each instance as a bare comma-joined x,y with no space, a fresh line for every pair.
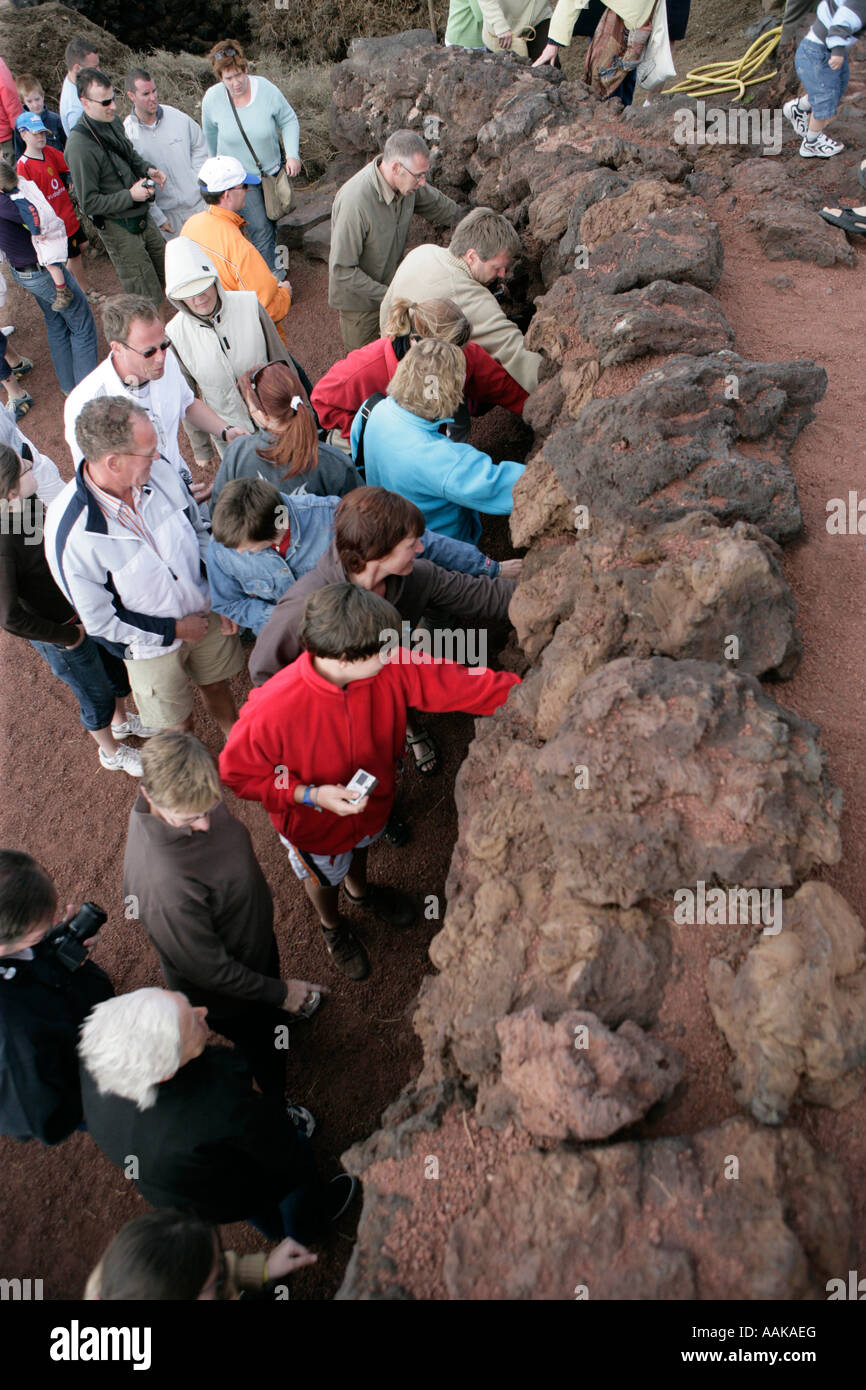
10,102
298,728
45,173
341,391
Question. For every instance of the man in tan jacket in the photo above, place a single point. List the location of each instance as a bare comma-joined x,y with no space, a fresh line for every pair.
370,223
481,253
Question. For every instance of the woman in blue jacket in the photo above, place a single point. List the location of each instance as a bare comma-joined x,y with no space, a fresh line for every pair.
404,451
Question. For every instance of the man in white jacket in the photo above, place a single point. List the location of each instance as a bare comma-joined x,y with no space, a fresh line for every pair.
126,545
171,140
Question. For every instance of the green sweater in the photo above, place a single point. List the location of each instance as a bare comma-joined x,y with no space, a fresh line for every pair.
369,230
104,166
465,22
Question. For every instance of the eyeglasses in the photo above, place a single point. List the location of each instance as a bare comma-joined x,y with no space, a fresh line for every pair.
100,101
151,351
411,172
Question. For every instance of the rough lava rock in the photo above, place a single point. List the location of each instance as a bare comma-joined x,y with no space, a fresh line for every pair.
682,245
705,433
678,590
577,1079
692,772
794,1012
659,318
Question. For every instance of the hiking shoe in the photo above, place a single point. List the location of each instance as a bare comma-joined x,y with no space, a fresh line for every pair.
124,760
62,298
820,147
21,368
794,112
341,1190
133,727
346,952
8,330
301,1118
387,904
19,405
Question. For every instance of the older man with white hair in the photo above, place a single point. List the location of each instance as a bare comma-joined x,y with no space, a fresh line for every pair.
201,1137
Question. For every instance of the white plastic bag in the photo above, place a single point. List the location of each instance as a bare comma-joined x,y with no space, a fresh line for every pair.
657,63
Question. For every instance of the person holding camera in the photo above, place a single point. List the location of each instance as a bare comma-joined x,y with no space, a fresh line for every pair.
115,187
47,989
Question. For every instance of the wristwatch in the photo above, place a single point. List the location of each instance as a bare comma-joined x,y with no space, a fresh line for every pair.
223,432
308,798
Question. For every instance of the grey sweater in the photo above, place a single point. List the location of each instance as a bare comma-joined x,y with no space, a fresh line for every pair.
206,907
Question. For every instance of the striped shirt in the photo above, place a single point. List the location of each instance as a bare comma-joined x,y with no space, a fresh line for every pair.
125,515
838,23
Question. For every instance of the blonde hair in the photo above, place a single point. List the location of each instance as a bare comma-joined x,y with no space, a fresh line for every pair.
431,318
429,380
179,774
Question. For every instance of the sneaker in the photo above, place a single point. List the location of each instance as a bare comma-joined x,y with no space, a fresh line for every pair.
346,952
132,727
387,904
341,1191
21,368
62,298
124,760
301,1118
8,330
794,112
820,147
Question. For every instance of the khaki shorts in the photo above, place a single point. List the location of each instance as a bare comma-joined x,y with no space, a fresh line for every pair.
163,685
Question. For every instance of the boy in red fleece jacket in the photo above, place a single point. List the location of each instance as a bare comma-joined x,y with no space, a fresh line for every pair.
341,707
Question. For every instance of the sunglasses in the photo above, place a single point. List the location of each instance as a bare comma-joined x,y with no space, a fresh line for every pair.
151,351
226,53
101,101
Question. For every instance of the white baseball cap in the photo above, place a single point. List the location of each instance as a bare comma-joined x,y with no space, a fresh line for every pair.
223,172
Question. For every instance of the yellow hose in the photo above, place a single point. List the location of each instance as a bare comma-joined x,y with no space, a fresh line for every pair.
711,79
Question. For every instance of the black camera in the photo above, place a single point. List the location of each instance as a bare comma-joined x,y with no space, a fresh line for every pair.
66,941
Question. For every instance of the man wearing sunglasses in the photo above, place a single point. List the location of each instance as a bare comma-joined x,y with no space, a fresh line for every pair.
142,366
370,223
115,187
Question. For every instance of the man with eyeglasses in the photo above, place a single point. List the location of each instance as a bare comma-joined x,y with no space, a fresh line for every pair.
201,896
115,187
125,542
142,366
370,223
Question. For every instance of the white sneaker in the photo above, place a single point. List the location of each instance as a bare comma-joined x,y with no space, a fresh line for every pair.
799,118
124,760
822,147
8,330
132,726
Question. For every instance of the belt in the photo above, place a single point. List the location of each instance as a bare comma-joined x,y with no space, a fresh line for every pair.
27,269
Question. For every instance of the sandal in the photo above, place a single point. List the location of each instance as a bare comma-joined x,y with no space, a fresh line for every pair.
96,297
849,221
22,368
427,765
20,405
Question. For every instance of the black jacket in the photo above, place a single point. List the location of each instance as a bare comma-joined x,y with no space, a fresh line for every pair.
104,166
209,1144
42,1007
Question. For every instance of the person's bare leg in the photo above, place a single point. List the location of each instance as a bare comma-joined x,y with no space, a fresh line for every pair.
56,273
324,899
220,705
356,879
815,126
75,266
105,740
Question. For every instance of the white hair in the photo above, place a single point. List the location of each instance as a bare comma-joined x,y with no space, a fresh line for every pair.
131,1043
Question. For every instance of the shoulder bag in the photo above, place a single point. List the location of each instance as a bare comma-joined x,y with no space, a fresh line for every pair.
276,188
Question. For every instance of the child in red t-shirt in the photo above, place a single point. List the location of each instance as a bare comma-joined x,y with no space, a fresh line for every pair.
47,168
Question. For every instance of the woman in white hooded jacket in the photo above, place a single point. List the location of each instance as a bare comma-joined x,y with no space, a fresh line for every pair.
217,334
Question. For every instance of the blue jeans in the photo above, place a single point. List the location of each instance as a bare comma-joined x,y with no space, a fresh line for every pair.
302,1213
96,678
451,554
260,230
824,87
71,333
